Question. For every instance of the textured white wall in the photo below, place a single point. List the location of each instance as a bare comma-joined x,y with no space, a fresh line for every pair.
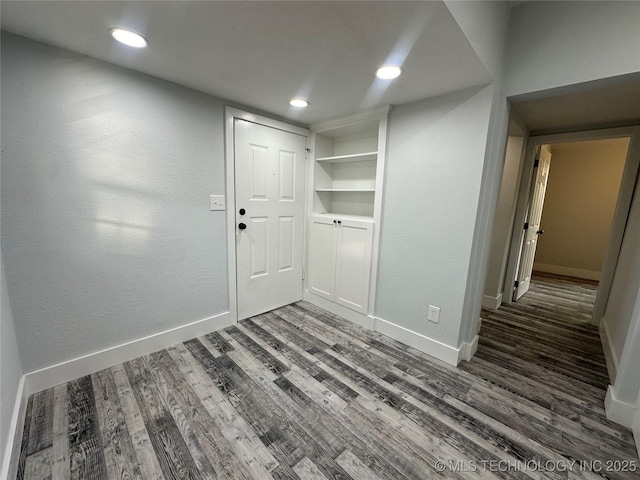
486,26
626,283
106,231
10,373
503,221
435,159
555,44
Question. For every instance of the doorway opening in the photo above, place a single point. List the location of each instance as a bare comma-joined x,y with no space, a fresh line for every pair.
569,220
567,230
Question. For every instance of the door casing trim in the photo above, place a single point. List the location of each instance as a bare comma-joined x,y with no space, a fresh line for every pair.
627,187
231,114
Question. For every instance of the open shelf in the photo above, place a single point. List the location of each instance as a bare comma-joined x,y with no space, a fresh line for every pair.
354,157
366,190
342,216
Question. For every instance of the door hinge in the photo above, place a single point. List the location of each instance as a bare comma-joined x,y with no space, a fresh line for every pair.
536,163
303,274
516,283
307,151
526,225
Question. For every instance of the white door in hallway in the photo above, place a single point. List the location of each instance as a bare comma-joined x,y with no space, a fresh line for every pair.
532,230
269,177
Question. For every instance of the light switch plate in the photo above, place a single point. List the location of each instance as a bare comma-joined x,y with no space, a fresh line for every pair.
217,202
434,314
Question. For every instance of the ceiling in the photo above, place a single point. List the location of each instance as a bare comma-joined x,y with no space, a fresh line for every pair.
607,103
261,54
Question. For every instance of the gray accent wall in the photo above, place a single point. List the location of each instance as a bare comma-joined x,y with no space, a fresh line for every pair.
436,151
106,230
10,373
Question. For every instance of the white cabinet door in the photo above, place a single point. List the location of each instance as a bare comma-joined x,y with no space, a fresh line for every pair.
340,260
353,264
322,256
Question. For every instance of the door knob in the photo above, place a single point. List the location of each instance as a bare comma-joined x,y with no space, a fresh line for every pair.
242,211
242,226
540,232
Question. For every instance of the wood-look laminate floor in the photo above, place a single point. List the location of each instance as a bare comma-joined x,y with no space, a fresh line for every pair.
298,393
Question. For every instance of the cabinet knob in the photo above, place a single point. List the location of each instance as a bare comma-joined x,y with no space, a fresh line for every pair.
540,232
242,211
335,221
242,226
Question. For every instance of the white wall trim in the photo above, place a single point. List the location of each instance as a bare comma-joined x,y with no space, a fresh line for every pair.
610,354
87,364
566,271
490,302
618,411
636,428
468,349
344,312
427,345
416,340
11,453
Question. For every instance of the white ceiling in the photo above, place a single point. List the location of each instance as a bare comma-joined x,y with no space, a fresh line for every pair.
261,54
607,103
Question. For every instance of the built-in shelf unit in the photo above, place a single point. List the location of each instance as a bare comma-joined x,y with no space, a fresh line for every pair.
346,181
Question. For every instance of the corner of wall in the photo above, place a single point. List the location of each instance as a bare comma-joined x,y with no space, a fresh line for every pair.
9,467
636,427
492,303
610,357
619,412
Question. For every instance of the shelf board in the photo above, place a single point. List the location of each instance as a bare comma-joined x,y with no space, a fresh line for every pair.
354,157
343,216
365,190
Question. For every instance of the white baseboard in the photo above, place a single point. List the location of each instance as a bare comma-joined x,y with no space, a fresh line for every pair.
567,271
468,349
416,340
351,315
78,367
490,302
610,356
427,345
618,411
11,454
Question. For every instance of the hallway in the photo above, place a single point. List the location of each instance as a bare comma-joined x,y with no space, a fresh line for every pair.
544,350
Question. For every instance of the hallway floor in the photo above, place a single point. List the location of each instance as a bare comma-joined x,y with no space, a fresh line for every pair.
299,393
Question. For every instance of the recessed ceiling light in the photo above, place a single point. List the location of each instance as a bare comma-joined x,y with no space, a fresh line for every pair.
128,37
298,103
387,72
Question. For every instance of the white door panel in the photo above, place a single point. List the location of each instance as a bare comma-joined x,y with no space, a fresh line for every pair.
530,242
269,172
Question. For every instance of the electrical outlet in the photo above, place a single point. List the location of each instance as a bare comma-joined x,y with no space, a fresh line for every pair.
217,202
434,314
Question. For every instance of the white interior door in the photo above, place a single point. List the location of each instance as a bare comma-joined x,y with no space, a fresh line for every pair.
530,240
270,177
